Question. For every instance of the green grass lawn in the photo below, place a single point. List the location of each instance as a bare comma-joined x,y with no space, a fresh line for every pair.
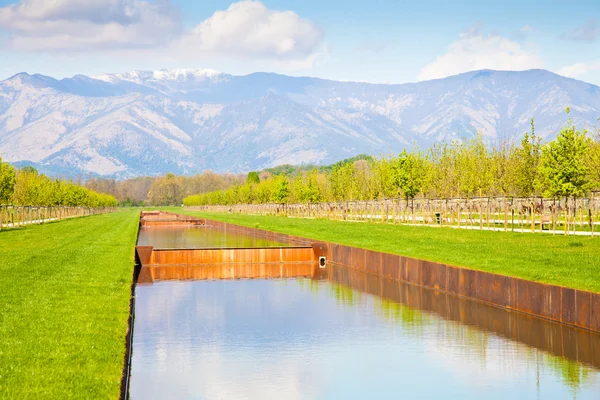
571,261
64,305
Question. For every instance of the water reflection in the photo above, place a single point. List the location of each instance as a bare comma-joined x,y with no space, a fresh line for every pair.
354,337
198,237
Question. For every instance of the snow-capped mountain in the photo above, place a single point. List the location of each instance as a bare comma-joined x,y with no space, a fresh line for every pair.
185,121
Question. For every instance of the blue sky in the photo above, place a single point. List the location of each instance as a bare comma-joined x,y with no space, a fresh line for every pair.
374,41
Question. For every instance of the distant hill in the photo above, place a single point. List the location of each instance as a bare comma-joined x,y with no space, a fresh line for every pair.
186,121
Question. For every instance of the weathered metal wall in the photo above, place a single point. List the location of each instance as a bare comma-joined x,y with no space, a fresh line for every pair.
557,339
569,306
297,260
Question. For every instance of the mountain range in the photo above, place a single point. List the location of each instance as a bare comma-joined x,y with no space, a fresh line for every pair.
186,121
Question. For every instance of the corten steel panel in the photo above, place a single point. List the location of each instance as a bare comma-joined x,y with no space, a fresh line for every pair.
595,313
143,254
467,283
433,275
512,292
402,269
530,297
413,271
373,262
552,302
343,255
568,313
493,288
390,266
358,258
320,249
583,308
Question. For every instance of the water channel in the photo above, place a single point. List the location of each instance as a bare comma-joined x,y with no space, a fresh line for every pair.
195,237
346,336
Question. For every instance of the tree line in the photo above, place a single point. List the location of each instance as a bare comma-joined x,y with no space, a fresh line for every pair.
566,167
171,189
26,186
165,190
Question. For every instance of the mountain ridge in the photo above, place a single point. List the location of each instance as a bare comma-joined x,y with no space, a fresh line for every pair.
185,120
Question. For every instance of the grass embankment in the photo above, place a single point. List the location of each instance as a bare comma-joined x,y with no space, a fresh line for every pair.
570,261
64,304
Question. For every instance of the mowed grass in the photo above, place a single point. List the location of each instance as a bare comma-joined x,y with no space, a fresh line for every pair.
572,261
64,305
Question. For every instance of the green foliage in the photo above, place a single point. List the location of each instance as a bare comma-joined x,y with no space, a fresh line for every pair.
28,187
7,181
563,166
166,191
411,173
527,160
253,178
281,189
567,166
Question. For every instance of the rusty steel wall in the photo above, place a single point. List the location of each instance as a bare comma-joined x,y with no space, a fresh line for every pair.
565,305
225,263
161,218
555,338
297,260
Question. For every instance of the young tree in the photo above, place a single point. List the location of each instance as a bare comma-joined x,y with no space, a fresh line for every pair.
253,178
167,190
280,189
526,162
563,166
7,181
411,171
593,159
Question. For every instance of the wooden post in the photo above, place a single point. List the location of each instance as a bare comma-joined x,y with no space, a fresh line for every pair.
567,219
505,216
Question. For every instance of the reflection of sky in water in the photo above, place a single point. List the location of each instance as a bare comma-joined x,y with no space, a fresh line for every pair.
197,237
292,339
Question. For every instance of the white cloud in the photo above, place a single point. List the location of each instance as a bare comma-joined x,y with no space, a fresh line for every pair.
87,25
250,28
247,29
475,50
578,69
589,32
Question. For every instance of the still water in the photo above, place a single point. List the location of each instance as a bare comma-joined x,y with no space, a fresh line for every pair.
198,237
309,339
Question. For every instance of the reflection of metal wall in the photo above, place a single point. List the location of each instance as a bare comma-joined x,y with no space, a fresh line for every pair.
557,339
569,306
